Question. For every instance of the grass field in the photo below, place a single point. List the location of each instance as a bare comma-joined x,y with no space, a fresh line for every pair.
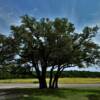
54,94
48,94
61,80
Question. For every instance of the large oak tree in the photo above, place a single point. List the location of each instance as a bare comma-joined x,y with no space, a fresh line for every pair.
54,44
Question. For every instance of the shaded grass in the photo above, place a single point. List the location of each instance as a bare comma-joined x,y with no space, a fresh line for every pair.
54,94
61,80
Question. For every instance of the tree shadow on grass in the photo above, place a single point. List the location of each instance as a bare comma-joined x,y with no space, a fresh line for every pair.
16,94
96,91
33,98
93,97
49,92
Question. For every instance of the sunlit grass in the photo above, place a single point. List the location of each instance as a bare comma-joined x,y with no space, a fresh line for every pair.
61,80
79,80
19,81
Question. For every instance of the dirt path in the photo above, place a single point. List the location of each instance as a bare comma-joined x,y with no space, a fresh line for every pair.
10,86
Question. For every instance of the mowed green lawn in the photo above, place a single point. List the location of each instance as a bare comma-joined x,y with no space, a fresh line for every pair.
52,94
61,80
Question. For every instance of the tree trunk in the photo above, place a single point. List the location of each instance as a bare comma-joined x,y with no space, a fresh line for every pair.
41,75
42,83
51,77
55,82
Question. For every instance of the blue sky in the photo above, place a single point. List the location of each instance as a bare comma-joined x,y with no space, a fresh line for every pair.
79,12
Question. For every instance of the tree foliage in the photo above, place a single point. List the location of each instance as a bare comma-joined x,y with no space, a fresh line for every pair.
53,44
7,50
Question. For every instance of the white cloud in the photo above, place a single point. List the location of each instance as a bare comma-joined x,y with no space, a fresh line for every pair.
93,69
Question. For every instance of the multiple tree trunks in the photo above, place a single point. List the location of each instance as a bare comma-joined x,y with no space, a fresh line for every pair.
53,79
43,83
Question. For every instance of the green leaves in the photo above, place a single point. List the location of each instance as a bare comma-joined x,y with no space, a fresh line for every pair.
54,41
7,49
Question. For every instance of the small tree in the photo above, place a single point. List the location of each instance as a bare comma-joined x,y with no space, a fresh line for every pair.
53,44
7,50
7,55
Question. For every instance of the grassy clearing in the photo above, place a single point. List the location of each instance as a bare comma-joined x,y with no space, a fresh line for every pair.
57,94
61,80
19,81
79,80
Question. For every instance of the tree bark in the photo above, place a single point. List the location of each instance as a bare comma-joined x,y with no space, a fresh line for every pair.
51,77
54,83
41,76
57,77
42,80
42,83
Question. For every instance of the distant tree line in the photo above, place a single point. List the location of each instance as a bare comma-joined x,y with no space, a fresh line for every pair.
65,74
80,74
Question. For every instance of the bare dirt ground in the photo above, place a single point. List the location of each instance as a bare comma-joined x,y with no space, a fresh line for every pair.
10,86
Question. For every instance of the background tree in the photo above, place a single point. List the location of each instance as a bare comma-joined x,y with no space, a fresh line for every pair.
53,44
7,50
7,55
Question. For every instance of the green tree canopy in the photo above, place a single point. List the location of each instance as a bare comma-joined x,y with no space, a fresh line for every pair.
53,44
